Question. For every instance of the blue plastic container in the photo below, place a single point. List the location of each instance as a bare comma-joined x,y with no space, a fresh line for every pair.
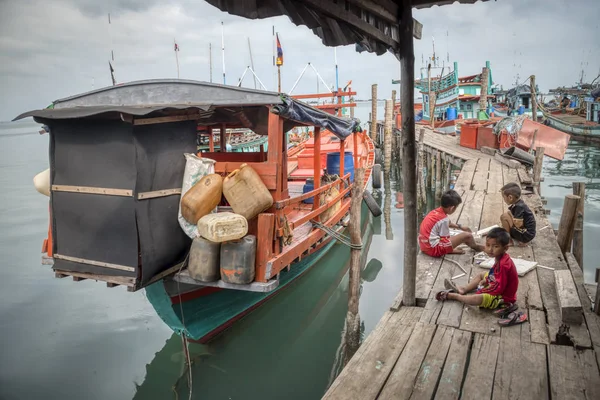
333,164
451,111
573,104
308,187
490,110
521,110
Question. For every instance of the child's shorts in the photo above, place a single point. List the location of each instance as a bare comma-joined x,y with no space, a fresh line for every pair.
440,250
523,237
490,302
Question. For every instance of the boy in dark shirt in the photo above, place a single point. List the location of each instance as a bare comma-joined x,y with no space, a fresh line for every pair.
496,287
518,221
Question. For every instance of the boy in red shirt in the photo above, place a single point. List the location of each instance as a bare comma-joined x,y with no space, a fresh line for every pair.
495,288
434,234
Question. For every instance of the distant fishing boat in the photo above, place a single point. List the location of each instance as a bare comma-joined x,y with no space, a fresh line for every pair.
581,117
116,170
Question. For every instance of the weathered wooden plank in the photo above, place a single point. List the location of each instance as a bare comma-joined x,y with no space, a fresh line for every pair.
573,373
568,299
521,367
456,362
401,380
480,179
427,272
538,327
495,179
432,365
465,178
524,177
510,175
477,319
367,371
528,293
479,380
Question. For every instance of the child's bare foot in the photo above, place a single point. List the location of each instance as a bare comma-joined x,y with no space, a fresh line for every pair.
458,251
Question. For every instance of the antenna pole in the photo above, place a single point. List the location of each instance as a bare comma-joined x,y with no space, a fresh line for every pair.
337,84
176,48
223,50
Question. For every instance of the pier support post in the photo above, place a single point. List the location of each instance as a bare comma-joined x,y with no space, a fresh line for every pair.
566,226
352,317
429,170
387,138
537,168
438,176
579,190
421,192
374,112
409,170
394,102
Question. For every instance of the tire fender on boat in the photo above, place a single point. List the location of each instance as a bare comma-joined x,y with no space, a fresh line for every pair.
371,203
376,176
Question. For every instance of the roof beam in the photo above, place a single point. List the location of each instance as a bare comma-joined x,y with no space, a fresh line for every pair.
339,13
388,13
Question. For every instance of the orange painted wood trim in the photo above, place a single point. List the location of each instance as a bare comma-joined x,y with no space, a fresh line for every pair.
313,214
264,242
317,165
268,171
294,200
223,141
211,140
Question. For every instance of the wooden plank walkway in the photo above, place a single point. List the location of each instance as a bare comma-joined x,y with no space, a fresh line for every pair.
450,351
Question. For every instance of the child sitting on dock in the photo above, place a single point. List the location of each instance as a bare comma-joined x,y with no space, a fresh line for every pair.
434,234
496,288
518,221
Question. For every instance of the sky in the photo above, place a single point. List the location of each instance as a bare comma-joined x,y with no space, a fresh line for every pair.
53,49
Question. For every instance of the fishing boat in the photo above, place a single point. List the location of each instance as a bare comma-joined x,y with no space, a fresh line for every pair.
581,118
116,170
516,100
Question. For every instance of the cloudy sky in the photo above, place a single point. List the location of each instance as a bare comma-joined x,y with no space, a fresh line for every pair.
52,49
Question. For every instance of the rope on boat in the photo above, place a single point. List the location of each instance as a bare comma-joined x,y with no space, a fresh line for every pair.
337,236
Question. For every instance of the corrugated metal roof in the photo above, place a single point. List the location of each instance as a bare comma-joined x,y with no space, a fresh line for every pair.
370,24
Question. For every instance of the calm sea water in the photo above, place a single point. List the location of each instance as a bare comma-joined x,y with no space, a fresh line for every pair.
65,339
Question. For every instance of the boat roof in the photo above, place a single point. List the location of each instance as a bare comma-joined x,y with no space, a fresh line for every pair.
141,98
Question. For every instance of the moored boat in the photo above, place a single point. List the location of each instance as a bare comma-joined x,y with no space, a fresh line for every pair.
581,115
116,169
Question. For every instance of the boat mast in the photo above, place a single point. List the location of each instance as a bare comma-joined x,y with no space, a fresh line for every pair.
210,60
176,49
251,61
337,84
112,55
223,50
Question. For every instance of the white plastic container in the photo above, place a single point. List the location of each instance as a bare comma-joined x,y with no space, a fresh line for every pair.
222,227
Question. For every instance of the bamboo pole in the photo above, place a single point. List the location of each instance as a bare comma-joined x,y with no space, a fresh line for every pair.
537,168
409,173
533,99
387,141
374,112
567,222
579,190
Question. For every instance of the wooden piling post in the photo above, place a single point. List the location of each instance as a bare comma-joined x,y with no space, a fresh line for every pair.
429,170
448,175
579,190
394,101
537,168
421,193
438,176
355,239
387,138
566,226
374,112
533,99
409,172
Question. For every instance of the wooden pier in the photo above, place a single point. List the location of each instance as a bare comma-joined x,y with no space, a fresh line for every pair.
449,350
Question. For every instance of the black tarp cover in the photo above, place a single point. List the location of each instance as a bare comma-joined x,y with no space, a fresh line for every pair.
118,229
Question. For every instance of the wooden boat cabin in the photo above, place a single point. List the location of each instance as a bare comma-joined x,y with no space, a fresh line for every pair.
117,163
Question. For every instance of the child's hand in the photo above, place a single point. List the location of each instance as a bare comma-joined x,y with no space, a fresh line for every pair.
466,229
483,283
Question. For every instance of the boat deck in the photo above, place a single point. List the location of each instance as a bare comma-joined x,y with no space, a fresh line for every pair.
446,350
574,119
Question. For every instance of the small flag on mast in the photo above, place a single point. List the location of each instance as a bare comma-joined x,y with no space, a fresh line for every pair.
279,60
176,47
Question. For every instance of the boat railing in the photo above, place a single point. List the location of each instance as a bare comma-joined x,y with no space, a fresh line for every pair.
279,205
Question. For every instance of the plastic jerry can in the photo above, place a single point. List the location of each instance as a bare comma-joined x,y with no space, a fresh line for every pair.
246,192
237,260
222,227
204,263
202,198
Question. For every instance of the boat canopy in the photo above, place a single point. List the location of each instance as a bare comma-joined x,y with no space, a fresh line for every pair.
211,103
